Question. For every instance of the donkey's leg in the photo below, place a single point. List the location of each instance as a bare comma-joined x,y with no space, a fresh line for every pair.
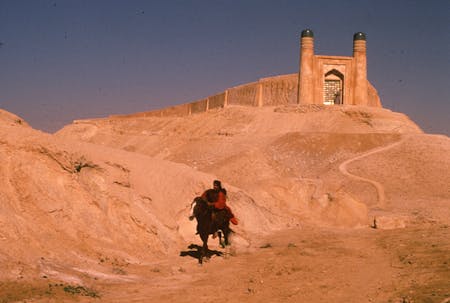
191,212
221,243
204,252
226,234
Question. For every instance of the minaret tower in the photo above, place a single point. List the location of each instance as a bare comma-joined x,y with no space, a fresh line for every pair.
360,75
305,93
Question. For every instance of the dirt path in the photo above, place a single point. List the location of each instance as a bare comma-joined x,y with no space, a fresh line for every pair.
311,264
380,189
286,267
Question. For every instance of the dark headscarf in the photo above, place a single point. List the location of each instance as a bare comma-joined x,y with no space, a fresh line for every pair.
217,183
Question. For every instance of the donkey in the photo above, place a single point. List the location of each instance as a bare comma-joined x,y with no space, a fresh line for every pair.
210,221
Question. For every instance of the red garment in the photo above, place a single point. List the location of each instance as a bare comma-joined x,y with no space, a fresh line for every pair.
221,203
234,220
220,200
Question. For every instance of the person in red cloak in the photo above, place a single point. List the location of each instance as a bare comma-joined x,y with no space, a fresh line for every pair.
219,200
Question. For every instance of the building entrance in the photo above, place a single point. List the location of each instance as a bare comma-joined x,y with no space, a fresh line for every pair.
332,92
333,88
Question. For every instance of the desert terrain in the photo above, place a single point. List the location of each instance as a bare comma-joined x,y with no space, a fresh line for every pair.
335,204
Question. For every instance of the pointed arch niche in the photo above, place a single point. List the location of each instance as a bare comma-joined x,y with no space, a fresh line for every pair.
333,87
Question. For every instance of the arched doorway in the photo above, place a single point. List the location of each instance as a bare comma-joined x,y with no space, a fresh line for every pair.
333,88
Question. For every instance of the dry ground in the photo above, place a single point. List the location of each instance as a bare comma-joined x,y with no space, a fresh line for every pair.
307,265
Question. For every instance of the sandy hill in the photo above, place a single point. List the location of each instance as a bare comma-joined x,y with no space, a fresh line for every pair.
104,200
291,159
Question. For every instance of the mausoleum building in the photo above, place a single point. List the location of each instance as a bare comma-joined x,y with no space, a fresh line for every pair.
334,79
321,80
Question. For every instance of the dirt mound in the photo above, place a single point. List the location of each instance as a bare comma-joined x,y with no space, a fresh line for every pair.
7,118
106,201
100,202
286,158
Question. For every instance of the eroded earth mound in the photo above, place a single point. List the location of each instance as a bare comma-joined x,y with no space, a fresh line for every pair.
342,204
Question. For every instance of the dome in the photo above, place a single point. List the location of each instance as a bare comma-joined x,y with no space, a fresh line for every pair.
359,36
307,33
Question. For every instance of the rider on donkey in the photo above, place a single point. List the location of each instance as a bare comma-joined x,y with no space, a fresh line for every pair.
217,197
218,200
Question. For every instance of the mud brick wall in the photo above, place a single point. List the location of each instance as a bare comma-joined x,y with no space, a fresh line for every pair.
243,95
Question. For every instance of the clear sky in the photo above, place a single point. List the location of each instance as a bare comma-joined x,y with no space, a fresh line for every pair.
66,60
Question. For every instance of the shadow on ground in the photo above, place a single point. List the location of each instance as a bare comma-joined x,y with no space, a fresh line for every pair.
195,251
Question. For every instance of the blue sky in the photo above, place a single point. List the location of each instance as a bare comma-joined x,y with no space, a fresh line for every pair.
66,60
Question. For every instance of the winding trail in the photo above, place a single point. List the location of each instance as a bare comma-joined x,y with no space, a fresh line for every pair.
380,189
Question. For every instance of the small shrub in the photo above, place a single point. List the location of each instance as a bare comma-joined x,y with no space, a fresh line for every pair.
119,271
80,290
82,163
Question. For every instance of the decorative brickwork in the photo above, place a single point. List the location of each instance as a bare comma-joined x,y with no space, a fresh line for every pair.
332,91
